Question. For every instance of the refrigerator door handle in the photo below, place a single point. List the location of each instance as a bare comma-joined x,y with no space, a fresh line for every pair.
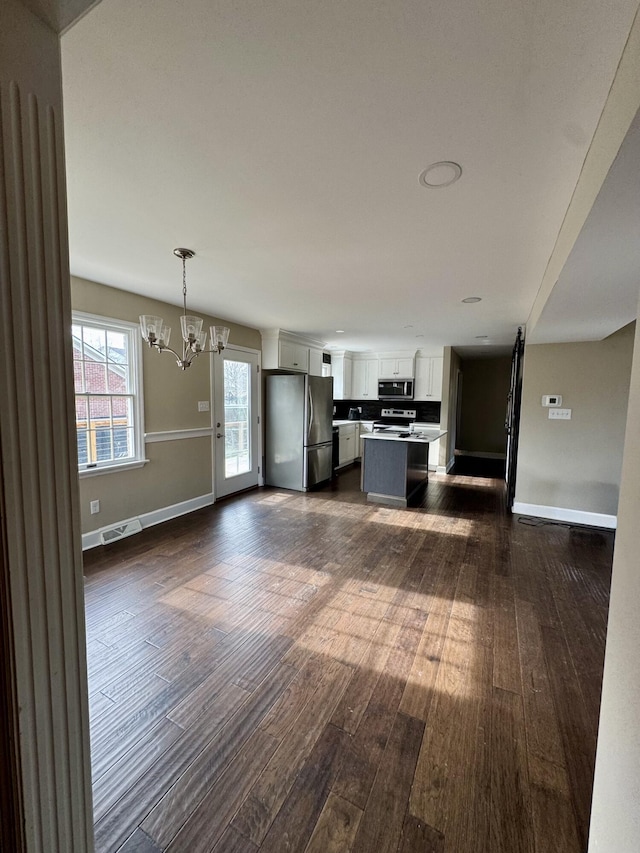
310,423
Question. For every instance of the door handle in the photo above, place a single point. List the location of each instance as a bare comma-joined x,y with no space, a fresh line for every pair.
219,435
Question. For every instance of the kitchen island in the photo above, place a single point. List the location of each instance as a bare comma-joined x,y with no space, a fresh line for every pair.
395,467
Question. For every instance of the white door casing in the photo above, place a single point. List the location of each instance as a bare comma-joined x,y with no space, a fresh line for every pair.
236,420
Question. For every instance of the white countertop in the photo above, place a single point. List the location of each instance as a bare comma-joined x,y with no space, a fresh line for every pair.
422,437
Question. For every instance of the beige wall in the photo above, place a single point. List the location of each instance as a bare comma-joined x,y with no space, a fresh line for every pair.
615,817
575,464
485,387
177,470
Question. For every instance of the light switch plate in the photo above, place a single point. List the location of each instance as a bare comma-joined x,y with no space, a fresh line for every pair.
203,405
560,414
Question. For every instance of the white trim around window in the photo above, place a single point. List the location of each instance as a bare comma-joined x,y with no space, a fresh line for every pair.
133,393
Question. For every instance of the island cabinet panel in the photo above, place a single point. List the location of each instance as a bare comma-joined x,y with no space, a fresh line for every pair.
394,471
385,469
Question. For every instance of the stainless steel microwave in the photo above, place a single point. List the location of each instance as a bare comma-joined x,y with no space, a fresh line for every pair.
395,389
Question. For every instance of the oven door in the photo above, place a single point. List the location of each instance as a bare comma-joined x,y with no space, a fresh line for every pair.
395,389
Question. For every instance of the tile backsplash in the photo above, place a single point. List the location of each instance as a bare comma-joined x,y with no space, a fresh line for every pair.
426,412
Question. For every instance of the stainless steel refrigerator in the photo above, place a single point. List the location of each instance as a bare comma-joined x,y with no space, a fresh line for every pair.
298,432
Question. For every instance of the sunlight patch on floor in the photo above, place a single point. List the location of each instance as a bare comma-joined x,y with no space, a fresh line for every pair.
412,518
278,498
423,520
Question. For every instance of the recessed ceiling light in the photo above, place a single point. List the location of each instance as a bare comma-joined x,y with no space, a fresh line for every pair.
339,331
439,175
408,327
471,299
481,337
419,336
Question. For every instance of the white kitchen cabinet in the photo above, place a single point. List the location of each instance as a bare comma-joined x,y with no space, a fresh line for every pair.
293,356
348,440
282,350
402,368
364,384
428,380
356,447
434,454
365,427
315,362
341,369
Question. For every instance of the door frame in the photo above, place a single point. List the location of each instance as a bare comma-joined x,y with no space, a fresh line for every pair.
229,349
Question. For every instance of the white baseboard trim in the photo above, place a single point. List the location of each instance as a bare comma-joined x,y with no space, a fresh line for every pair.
481,454
148,519
572,516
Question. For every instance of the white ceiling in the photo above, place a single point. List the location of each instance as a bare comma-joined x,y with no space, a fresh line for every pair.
283,142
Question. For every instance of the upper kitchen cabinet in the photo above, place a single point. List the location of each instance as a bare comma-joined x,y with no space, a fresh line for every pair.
315,361
428,379
364,385
293,356
341,370
287,351
396,366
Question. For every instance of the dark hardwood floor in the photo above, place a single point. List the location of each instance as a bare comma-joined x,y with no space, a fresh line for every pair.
310,673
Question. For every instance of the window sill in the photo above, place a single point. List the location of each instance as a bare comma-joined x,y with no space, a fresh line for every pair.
111,469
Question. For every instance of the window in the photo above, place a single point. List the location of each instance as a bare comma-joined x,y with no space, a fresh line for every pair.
237,417
108,387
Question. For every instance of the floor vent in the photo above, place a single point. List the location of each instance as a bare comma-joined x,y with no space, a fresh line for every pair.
112,534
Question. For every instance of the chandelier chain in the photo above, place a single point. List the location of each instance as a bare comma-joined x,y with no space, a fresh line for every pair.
184,283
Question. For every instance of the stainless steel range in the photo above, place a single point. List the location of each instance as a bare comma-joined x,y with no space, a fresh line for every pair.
395,421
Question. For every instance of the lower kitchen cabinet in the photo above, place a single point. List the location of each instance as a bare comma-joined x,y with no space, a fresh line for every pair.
365,427
349,443
434,455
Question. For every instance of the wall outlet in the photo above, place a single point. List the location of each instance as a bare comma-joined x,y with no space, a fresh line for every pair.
94,507
203,405
560,414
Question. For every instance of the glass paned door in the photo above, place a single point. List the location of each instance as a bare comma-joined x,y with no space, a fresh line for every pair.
235,419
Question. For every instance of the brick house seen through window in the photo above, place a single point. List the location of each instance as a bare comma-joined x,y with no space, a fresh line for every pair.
106,367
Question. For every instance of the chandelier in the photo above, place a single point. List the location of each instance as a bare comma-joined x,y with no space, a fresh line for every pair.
194,340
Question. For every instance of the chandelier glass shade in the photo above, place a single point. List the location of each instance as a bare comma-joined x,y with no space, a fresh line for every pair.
194,340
